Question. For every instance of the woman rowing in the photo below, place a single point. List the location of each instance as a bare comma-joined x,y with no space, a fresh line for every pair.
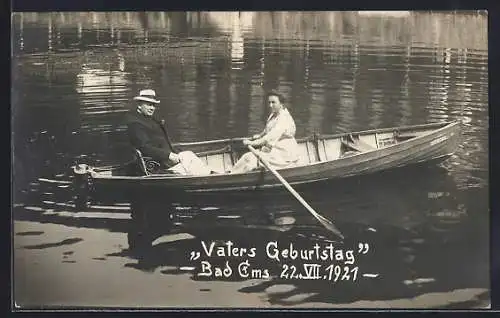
277,141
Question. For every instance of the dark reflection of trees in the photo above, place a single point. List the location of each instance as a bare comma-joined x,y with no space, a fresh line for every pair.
144,19
242,86
352,86
242,104
22,170
42,141
222,110
349,23
427,27
347,101
171,88
295,75
272,67
426,231
34,39
179,22
329,115
203,98
405,103
17,34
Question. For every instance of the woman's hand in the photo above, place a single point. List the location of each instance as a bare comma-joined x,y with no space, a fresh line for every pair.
247,142
265,148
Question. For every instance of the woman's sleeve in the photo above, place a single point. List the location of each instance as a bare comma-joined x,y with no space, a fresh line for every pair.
275,133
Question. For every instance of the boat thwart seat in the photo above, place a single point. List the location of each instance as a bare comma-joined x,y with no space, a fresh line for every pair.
307,153
218,160
357,144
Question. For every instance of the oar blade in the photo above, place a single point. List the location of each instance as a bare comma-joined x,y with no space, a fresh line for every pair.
326,223
330,226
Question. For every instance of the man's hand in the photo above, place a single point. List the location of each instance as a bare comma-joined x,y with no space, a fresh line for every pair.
175,158
256,136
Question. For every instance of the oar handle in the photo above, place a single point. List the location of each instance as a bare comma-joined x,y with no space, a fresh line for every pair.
327,223
208,142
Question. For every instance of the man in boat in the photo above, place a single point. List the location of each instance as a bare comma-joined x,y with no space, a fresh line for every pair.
149,135
277,141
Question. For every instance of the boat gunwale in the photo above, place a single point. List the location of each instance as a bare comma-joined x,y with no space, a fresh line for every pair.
445,125
325,136
268,186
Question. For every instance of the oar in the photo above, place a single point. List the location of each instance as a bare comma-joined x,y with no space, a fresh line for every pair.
326,223
208,142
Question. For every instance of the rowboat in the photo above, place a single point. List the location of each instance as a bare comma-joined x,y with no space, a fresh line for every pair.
322,157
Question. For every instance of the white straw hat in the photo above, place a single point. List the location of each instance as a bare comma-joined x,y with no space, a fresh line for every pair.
147,95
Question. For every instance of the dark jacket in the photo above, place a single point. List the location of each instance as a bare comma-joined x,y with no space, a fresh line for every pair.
149,136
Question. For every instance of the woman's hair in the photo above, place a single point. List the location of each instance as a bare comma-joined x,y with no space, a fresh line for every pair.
277,94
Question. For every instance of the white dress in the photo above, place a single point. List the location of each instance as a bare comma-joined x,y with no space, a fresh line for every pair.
279,147
279,136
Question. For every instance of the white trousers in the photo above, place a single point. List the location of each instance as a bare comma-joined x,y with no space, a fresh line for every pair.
190,164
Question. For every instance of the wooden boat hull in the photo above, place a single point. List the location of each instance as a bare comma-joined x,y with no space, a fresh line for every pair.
429,142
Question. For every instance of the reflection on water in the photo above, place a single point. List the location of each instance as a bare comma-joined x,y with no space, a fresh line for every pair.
74,75
409,229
